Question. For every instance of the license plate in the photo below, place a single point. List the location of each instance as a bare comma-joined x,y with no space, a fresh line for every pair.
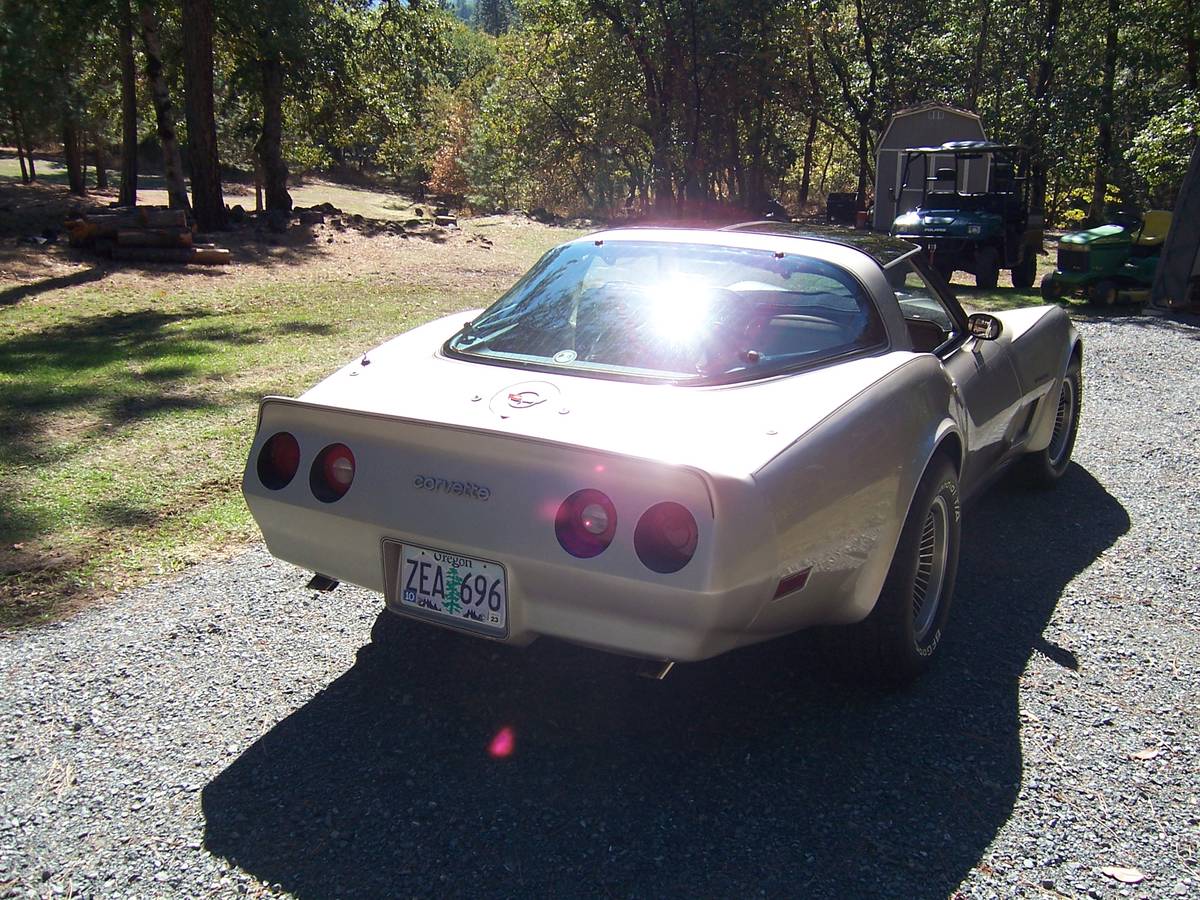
446,586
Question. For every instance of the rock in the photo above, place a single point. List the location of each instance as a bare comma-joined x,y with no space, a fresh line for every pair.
446,221
312,217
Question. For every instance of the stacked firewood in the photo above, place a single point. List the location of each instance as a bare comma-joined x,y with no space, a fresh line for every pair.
142,233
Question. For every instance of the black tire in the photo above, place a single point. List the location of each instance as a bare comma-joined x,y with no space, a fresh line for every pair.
1044,468
900,637
987,268
946,270
1103,292
1052,288
1025,271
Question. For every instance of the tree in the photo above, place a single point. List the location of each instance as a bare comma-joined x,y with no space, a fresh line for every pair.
207,200
164,110
129,111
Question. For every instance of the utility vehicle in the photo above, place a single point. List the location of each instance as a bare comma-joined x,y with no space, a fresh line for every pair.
973,216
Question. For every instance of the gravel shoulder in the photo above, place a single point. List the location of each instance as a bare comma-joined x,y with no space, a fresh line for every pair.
229,731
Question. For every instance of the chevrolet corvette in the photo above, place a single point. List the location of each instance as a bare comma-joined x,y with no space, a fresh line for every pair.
670,443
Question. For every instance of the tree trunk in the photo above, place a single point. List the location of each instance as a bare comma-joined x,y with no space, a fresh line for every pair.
985,15
22,150
864,163
207,199
269,147
1105,113
825,169
810,136
164,111
73,155
810,140
1189,44
100,155
28,150
129,117
1041,98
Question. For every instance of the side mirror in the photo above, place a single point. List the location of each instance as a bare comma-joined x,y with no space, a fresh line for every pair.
984,326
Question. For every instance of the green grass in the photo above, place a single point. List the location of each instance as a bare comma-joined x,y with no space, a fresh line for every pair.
127,405
1004,296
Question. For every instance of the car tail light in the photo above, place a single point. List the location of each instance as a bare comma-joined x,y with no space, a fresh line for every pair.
332,473
585,523
278,460
666,537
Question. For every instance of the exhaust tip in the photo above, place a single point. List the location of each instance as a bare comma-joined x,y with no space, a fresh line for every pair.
322,583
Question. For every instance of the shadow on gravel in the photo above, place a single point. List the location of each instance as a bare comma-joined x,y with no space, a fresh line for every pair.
748,772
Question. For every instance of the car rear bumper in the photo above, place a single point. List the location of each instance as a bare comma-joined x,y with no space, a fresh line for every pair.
576,600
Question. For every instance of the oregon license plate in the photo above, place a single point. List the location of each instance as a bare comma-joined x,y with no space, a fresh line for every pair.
442,585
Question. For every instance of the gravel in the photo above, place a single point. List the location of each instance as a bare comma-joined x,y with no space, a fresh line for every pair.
231,732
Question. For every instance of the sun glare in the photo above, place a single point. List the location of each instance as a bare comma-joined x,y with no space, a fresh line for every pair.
680,308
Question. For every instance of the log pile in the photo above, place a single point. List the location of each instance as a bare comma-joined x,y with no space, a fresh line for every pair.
144,234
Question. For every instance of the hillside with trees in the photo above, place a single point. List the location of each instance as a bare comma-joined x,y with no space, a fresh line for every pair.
602,107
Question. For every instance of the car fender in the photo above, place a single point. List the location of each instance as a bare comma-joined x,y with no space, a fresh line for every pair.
840,494
1042,341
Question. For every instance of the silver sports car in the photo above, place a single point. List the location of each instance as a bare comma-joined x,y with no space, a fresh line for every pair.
669,443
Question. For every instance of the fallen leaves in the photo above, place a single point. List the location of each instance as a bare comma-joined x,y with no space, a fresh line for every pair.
1124,874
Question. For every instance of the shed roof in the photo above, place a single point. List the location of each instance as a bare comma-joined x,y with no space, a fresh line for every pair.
933,104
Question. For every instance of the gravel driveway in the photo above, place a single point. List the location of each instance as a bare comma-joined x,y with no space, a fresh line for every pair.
229,731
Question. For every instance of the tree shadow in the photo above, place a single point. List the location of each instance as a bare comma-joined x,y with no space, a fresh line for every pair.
751,771
69,367
20,292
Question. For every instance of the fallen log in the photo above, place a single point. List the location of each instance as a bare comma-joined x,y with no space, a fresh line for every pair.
164,218
212,255
141,237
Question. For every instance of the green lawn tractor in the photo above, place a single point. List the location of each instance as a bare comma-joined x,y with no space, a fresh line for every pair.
973,216
1110,263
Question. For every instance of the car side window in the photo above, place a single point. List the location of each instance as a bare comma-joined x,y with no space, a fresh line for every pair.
922,307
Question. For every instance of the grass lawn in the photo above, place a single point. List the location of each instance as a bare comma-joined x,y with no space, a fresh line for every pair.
128,394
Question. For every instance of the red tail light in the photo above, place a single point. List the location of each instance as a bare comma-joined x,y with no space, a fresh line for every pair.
278,461
585,523
666,538
332,473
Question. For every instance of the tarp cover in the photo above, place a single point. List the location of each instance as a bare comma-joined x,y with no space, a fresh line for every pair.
1182,248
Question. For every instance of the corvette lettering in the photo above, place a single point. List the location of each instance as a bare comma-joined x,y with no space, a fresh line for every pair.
449,486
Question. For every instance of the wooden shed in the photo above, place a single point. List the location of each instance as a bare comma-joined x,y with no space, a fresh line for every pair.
927,125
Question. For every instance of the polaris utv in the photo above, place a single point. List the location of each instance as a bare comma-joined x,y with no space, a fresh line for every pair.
977,231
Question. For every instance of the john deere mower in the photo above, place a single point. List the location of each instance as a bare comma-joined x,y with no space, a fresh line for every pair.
1110,263
973,216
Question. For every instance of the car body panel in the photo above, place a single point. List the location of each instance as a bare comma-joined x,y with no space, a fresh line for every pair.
808,473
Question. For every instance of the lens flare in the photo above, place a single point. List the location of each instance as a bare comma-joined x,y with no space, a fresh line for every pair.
502,744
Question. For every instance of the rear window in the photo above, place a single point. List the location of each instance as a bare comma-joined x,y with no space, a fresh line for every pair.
678,312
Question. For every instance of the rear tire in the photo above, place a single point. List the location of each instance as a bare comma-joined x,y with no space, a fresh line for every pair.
1044,468
1025,271
946,270
898,640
